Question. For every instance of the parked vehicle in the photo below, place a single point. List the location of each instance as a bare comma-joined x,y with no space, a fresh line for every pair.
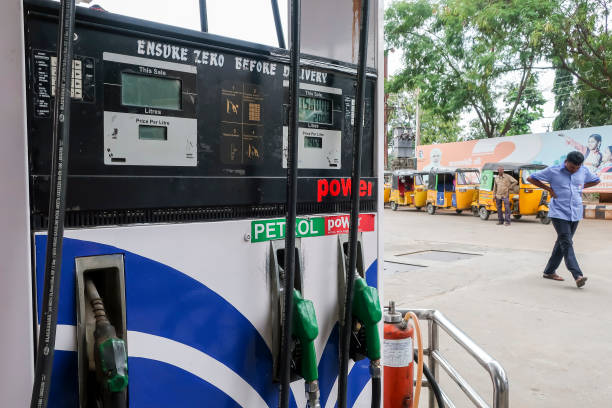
452,188
527,200
387,186
408,188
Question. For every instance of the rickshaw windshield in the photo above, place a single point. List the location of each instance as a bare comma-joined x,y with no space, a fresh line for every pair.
526,173
468,177
418,180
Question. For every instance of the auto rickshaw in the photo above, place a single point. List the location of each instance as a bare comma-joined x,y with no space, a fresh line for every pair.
451,188
408,188
387,186
528,200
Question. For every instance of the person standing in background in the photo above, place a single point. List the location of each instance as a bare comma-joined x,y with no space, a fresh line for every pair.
504,183
566,183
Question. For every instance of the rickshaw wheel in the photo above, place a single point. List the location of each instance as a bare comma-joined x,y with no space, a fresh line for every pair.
475,211
484,213
431,209
517,216
458,211
544,218
418,208
393,206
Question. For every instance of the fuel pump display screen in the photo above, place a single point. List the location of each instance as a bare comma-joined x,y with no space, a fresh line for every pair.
146,132
315,110
150,92
313,142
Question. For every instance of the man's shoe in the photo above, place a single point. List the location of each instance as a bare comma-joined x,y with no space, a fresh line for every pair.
552,276
500,222
580,282
507,224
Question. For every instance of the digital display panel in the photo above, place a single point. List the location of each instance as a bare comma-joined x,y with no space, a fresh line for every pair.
315,110
313,142
147,132
150,92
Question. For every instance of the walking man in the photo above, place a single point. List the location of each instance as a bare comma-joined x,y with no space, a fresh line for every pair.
565,210
504,183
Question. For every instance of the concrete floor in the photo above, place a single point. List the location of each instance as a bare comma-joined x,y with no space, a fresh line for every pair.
553,340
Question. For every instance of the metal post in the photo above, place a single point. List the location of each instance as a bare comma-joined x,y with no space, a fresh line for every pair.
278,24
433,365
203,17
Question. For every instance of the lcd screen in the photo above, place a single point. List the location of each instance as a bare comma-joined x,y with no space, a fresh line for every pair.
313,141
146,132
315,110
150,92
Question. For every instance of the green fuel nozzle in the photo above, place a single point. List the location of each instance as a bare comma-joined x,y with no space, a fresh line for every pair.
109,350
366,309
306,330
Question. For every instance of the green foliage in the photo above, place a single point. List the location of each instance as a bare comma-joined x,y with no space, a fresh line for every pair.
435,128
529,108
470,55
578,43
438,129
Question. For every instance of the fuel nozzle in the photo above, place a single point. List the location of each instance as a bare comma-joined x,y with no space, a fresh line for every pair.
109,350
367,310
305,329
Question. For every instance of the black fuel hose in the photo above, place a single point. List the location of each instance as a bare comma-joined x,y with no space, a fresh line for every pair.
292,180
345,338
57,209
376,392
433,385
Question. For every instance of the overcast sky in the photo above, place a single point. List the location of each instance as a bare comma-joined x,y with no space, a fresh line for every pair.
252,20
249,20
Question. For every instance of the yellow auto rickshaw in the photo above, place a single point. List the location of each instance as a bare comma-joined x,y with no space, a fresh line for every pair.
408,188
527,200
387,186
452,188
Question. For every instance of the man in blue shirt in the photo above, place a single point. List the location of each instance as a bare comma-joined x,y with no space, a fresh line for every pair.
566,182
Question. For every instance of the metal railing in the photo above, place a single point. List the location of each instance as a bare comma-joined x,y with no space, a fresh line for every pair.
499,379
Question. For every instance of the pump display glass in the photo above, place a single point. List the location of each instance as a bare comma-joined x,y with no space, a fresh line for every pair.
313,142
150,92
315,110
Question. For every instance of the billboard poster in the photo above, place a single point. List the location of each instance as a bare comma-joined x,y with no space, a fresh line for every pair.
548,148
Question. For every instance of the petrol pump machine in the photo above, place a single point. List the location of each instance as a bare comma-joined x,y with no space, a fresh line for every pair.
172,268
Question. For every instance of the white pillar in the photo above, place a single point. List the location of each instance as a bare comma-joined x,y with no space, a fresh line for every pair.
17,350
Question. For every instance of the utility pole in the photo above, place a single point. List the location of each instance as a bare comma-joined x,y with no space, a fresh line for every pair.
417,139
386,113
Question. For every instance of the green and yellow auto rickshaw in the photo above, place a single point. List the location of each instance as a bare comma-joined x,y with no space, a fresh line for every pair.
408,188
526,200
452,188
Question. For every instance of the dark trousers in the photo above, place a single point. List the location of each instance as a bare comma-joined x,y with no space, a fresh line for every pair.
564,248
498,203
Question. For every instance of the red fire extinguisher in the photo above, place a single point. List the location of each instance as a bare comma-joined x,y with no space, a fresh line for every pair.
398,360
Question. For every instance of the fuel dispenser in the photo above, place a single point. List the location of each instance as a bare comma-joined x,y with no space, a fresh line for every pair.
171,285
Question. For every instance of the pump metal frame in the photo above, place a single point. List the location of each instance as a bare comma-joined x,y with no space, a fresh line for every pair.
436,320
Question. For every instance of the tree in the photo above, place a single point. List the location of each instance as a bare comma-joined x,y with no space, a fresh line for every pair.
434,127
563,88
469,55
579,42
529,107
